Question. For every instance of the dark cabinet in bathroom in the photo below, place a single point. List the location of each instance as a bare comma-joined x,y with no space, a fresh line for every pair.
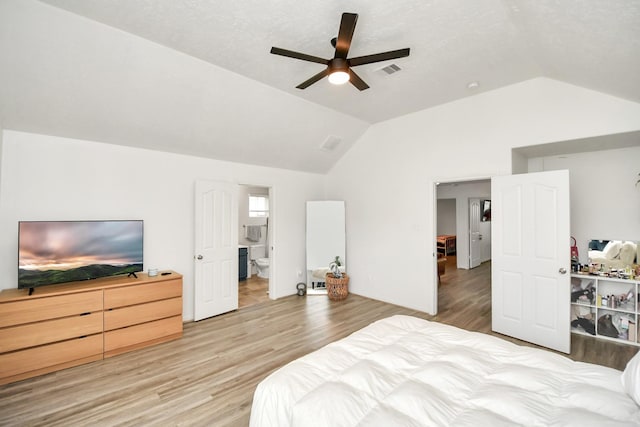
242,263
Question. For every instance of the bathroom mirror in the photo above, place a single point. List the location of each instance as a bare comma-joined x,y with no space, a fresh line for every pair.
614,253
325,234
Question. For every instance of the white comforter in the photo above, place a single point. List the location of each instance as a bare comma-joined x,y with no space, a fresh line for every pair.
405,371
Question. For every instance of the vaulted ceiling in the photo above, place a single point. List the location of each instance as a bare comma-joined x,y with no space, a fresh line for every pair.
257,115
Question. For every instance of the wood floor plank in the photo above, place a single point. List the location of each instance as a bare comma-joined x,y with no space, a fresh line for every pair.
253,290
209,375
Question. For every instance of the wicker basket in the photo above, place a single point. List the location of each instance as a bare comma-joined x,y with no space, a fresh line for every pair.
337,289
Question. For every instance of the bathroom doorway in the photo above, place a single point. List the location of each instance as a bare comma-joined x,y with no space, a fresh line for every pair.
254,244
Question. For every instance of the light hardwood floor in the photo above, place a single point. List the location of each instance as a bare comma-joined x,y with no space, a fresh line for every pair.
464,300
253,290
208,377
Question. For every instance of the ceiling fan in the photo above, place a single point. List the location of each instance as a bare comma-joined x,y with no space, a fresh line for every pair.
339,68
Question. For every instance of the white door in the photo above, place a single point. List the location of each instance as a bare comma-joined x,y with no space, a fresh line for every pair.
216,248
530,289
475,251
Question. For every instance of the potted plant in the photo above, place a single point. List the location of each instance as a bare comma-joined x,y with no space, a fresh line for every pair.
334,266
337,281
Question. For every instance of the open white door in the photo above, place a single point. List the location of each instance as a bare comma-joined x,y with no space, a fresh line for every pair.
474,233
530,289
216,249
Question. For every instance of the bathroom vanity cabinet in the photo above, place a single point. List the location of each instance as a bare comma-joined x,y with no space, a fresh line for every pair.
243,254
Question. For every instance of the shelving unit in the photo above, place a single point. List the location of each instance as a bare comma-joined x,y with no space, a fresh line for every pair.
592,314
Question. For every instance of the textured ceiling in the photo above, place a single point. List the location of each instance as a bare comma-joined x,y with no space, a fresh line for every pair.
591,43
196,77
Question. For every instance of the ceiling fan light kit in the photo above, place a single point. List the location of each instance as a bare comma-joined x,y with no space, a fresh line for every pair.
339,69
338,77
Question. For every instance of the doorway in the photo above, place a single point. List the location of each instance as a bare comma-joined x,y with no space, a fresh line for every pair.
255,228
455,262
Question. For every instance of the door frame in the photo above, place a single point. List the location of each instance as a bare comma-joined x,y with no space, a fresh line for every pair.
434,246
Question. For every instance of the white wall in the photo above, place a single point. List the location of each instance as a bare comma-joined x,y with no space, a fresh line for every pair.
50,178
66,75
462,192
386,180
1,151
446,217
387,177
605,202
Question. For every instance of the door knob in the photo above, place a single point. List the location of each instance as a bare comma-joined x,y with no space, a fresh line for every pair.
199,257
562,270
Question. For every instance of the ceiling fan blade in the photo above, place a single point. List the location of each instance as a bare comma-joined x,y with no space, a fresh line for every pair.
378,57
357,81
313,79
345,34
298,55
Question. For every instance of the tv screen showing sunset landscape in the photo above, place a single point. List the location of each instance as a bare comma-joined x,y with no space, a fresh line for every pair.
51,252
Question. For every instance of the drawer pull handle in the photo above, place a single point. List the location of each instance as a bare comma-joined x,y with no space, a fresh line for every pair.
85,314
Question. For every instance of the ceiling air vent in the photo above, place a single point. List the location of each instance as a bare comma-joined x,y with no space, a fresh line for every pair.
330,143
390,69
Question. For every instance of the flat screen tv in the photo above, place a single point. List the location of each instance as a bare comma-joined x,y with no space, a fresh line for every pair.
51,252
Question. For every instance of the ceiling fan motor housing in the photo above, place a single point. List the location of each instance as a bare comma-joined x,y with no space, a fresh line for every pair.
339,64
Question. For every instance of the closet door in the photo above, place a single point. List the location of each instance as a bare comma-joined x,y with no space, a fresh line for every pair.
530,258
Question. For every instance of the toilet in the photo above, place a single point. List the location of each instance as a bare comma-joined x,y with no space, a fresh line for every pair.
257,255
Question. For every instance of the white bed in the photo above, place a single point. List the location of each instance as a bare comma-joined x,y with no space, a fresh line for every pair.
405,371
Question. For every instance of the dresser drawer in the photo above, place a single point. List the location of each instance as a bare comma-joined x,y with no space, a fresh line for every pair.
46,308
142,313
131,295
33,334
125,339
38,358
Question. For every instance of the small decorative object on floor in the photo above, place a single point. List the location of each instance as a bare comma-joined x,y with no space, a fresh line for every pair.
337,282
337,288
334,266
302,289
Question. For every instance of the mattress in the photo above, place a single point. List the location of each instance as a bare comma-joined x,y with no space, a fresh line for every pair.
405,371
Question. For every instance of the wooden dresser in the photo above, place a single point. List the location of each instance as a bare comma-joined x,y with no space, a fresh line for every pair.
74,323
